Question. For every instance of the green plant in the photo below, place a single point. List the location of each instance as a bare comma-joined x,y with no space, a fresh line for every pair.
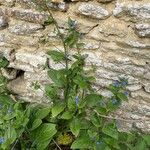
79,117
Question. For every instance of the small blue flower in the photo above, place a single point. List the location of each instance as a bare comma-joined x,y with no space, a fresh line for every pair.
77,100
10,110
126,93
123,83
116,83
114,101
1,106
2,140
99,142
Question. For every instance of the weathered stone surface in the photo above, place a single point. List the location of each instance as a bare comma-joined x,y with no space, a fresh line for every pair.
118,46
105,1
62,6
26,15
132,11
93,11
8,2
23,28
142,29
10,74
3,22
134,44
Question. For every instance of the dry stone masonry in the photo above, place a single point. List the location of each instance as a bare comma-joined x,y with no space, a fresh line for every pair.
116,34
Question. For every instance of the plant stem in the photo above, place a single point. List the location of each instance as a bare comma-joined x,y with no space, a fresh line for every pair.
65,50
57,144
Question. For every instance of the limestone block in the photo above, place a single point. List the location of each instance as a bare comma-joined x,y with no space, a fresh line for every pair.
3,22
93,11
132,11
143,30
23,28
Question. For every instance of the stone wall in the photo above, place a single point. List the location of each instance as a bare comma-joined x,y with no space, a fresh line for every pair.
116,34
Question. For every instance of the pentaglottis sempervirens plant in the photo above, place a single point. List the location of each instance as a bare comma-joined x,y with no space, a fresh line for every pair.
79,117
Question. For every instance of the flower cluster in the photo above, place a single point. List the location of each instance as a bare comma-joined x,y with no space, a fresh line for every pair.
2,140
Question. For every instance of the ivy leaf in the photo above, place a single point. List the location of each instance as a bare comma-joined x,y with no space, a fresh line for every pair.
36,123
110,130
57,56
57,109
122,96
42,113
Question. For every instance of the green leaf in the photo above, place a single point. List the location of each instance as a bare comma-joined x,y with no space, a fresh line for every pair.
110,129
96,120
147,139
57,56
93,99
49,21
57,76
122,96
3,62
75,126
83,142
42,113
112,142
51,91
36,123
101,146
44,134
57,109
67,115
6,99
140,145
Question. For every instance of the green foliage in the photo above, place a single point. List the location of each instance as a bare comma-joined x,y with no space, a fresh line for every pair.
78,118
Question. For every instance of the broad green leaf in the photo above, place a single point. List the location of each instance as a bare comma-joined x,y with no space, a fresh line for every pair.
147,139
57,76
6,99
82,143
3,62
57,56
112,142
44,134
140,145
71,103
42,113
93,99
67,115
101,145
57,109
36,123
79,81
52,91
110,129
96,120
122,96
75,126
